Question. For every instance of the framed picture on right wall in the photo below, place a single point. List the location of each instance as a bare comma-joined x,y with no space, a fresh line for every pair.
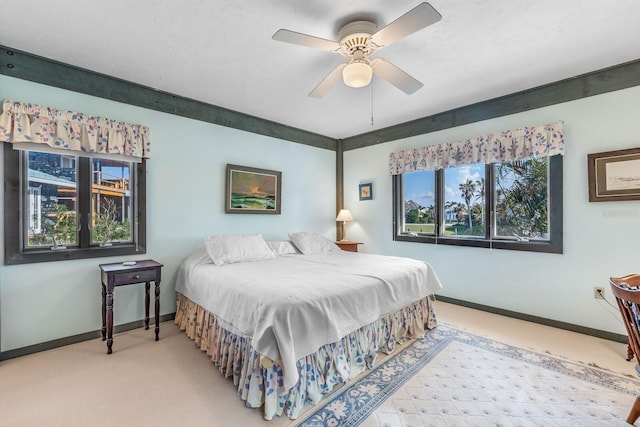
366,191
614,175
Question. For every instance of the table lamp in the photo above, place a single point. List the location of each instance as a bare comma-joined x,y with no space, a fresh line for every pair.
344,215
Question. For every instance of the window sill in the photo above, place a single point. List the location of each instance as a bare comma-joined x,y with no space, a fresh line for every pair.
33,256
479,242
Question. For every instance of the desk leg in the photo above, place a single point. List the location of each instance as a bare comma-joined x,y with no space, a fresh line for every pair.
146,305
157,310
109,319
104,312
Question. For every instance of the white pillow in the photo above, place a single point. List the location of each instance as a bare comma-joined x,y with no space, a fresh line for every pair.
312,243
228,249
282,247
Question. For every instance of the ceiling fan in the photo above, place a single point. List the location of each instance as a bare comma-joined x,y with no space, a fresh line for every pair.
357,41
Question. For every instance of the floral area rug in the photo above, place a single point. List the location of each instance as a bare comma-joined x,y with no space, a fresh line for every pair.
454,378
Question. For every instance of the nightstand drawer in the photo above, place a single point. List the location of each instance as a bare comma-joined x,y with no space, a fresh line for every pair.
134,277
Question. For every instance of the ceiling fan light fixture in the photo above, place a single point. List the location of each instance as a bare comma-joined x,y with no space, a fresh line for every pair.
357,74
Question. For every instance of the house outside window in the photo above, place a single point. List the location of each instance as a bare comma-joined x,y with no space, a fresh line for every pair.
51,209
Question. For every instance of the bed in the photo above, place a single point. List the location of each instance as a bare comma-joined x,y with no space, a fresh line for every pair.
290,320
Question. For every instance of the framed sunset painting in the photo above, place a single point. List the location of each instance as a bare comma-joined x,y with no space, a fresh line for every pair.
252,190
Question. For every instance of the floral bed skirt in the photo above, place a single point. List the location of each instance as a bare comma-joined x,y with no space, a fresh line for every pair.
259,379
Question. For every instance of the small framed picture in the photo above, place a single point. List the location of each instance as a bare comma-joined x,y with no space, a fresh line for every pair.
614,175
366,191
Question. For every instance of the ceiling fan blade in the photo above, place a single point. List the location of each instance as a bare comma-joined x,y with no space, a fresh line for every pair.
416,19
288,36
328,82
395,76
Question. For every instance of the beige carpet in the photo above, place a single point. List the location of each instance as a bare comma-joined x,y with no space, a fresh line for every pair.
143,383
171,383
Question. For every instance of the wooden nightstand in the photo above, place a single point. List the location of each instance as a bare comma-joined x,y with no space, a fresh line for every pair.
128,273
348,245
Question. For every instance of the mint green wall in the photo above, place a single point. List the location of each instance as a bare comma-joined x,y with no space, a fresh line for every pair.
48,301
185,192
600,239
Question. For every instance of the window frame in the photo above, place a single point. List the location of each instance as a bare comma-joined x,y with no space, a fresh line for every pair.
15,180
553,245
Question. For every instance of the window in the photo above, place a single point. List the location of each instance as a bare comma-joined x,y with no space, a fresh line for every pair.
515,205
71,207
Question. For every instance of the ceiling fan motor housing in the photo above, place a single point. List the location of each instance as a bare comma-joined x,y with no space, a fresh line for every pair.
355,39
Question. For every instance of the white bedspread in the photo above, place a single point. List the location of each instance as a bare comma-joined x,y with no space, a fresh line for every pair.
292,305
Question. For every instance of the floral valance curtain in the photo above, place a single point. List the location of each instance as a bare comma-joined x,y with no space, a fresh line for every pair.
22,122
535,141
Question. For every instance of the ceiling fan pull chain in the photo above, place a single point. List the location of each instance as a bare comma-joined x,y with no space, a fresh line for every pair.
371,103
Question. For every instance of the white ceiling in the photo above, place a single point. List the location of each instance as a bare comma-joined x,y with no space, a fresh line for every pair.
221,51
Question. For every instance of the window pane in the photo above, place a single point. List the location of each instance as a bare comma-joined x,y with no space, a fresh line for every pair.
522,207
464,212
51,200
111,210
419,200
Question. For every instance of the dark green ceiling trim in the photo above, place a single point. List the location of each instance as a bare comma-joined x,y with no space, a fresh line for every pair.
595,83
37,69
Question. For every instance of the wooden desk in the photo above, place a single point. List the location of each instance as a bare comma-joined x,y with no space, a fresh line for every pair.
348,245
119,274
